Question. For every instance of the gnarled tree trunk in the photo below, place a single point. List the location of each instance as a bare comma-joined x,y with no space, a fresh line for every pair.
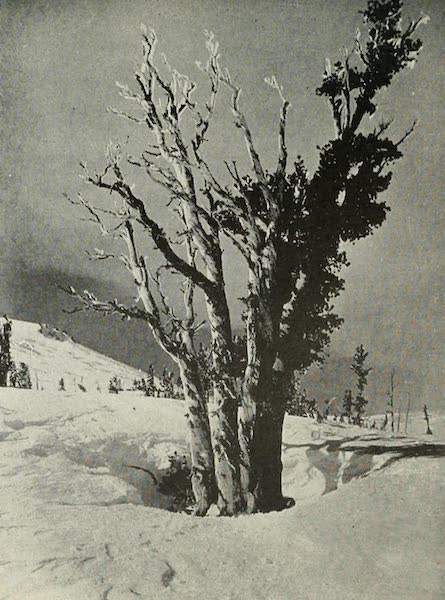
263,403
269,440
261,432
203,470
224,412
256,395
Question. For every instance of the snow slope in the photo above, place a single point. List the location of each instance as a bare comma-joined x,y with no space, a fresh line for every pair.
49,360
78,522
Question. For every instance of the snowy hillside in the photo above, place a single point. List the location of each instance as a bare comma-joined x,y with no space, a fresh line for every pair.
50,359
78,521
82,515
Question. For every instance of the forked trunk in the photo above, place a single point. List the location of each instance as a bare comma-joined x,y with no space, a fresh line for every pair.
223,425
203,470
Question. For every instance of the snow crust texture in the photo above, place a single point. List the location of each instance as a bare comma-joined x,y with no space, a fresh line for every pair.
78,522
81,516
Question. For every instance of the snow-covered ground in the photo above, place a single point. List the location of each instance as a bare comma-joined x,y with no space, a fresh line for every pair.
50,360
78,521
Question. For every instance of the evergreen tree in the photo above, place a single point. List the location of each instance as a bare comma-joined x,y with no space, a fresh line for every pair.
13,375
115,385
179,390
297,404
150,381
5,359
176,482
391,397
24,377
312,408
348,405
362,373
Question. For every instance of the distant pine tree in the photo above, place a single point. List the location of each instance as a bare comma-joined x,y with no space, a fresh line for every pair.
5,359
298,400
362,373
391,397
150,384
19,376
13,375
179,390
312,408
348,405
23,377
115,385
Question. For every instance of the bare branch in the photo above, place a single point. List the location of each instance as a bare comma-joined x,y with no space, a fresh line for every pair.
407,134
241,122
384,126
234,174
358,48
142,275
414,25
88,301
125,115
159,237
165,307
93,212
212,71
99,255
159,175
282,149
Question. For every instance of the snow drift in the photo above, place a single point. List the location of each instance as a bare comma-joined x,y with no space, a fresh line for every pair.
77,522
81,519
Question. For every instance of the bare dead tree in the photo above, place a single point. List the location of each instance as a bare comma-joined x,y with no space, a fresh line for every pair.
173,334
170,163
427,420
391,397
408,407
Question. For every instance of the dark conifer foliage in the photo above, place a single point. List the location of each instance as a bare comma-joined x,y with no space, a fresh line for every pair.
348,405
361,372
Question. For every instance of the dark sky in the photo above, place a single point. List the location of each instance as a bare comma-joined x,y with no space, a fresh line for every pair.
60,60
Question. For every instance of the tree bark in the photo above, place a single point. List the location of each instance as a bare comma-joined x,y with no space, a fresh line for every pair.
256,396
203,471
270,441
264,446
263,403
224,411
225,442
